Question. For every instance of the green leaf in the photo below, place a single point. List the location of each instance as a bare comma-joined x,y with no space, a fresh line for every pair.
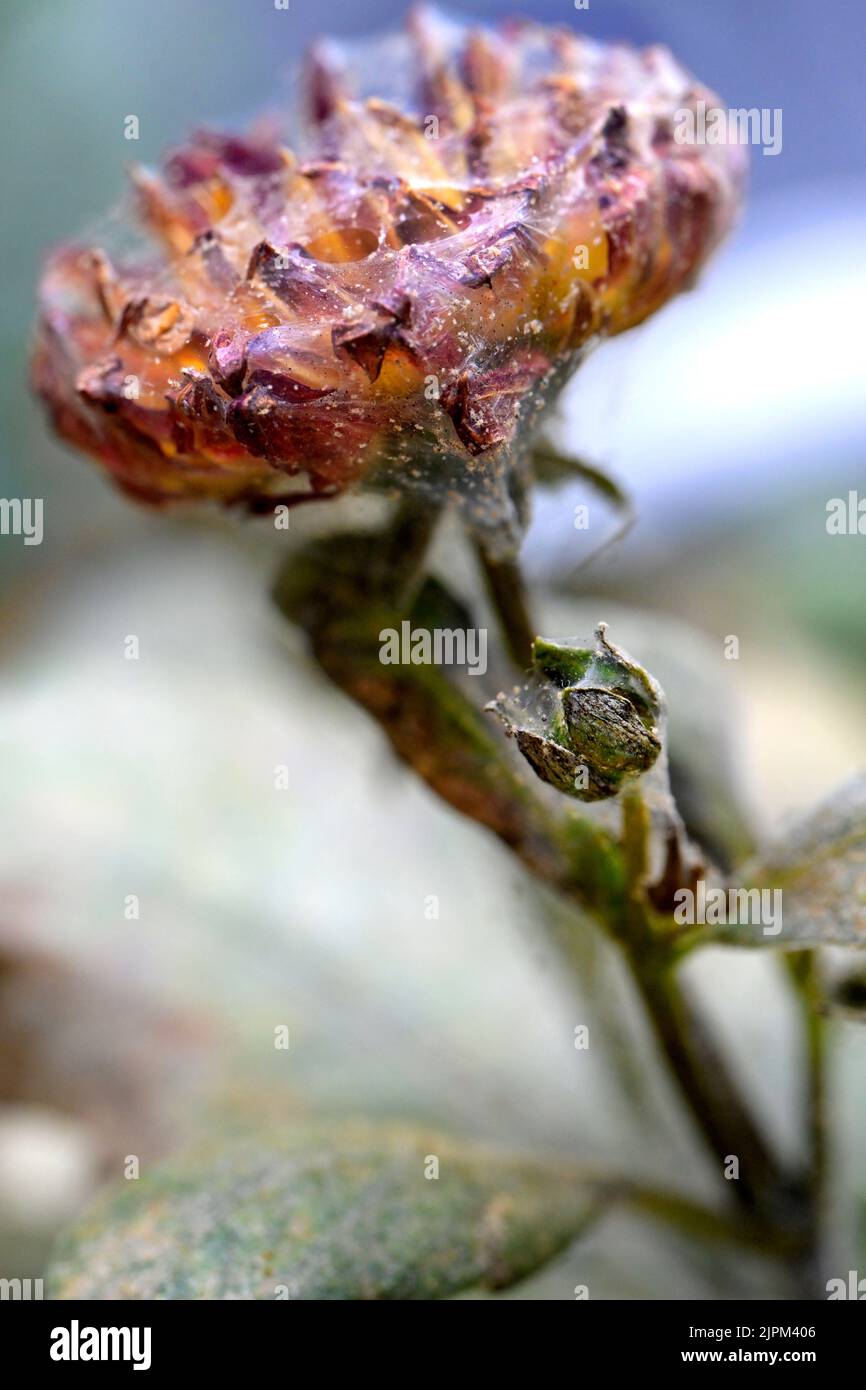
554,468
820,868
324,1213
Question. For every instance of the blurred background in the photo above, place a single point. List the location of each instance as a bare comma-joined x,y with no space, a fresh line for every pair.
147,787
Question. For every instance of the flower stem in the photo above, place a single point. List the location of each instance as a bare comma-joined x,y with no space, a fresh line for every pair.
708,1088
435,728
701,1222
759,1182
406,542
804,970
505,586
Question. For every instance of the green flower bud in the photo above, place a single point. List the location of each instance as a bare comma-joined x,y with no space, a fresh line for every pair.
588,720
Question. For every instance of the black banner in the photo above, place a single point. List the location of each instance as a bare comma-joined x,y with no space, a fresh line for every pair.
75,1338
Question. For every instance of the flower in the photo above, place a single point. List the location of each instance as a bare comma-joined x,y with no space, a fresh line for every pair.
589,719
399,301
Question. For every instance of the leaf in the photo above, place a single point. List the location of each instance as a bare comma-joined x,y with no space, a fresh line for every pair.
122,1064
324,1213
435,726
554,469
820,867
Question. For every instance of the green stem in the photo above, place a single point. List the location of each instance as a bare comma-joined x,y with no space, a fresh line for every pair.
761,1186
804,969
702,1222
708,1088
404,549
504,584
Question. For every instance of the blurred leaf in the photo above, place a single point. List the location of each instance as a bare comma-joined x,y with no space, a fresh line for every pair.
553,468
820,866
435,726
88,1043
325,1213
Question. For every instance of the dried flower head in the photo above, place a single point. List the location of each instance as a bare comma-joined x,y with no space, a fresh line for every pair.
398,302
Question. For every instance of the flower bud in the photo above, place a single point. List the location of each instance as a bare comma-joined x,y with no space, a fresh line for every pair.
588,720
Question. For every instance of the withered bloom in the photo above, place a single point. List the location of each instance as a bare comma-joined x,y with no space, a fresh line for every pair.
398,302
